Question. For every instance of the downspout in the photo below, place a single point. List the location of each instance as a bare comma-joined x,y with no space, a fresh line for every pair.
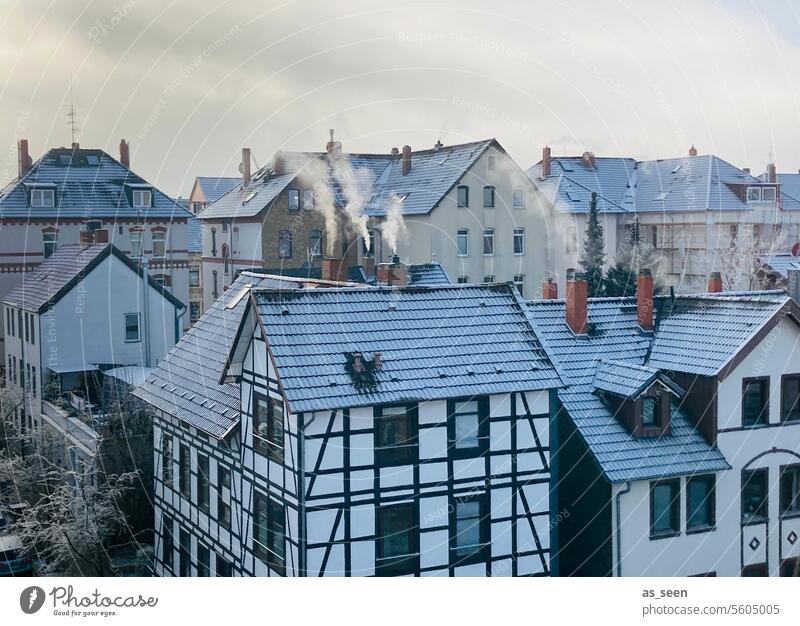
620,493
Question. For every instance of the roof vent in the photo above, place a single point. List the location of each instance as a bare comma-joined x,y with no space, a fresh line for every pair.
442,374
284,310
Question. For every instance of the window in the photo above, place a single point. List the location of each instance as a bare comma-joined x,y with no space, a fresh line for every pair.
471,523
395,435
790,398
132,327
213,242
142,198
203,560
519,283
223,506
50,243
294,199
235,242
519,241
488,242
27,328
224,226
194,277
184,471
463,242
768,195
185,552
571,239
463,280
314,243
224,568
167,542
790,490
308,199
755,401
166,459
754,194
194,312
203,483
214,288
734,234
33,380
754,495
226,260
468,427
285,244
269,530
33,330
664,508
490,163
489,278
462,196
518,198
650,411
397,551
268,426
159,244
488,196
43,198
700,502
136,243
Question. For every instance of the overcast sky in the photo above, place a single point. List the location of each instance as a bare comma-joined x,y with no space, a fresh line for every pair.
189,83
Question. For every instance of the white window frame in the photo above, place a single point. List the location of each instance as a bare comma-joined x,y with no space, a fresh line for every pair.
49,239
142,198
462,235
772,191
293,193
756,192
488,235
43,198
518,198
159,237
519,235
136,249
138,327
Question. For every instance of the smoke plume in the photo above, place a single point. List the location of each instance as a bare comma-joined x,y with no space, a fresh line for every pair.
315,175
352,182
394,225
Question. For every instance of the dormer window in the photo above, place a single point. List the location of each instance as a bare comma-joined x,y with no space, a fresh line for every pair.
754,194
43,197
650,410
768,195
142,198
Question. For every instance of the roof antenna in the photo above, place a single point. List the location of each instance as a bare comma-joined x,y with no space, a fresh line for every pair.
72,115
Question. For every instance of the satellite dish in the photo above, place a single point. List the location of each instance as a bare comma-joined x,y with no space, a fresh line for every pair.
796,248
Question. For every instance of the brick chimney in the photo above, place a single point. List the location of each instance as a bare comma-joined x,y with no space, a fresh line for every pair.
24,157
715,282
576,305
125,153
772,174
334,268
588,160
549,289
368,265
644,299
692,151
394,274
746,170
406,160
245,166
545,162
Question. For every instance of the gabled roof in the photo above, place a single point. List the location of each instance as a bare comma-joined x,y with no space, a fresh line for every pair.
213,187
379,178
435,343
427,274
629,380
780,262
62,270
185,383
698,183
88,184
616,336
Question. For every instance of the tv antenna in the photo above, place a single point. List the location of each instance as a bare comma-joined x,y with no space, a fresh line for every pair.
72,114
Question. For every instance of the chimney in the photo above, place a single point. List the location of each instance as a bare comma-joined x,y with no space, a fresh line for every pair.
576,305
772,175
245,166
588,160
406,160
331,143
358,364
125,153
549,289
24,157
746,170
368,265
395,151
334,269
394,274
438,145
278,163
545,162
715,282
644,299
692,151
376,361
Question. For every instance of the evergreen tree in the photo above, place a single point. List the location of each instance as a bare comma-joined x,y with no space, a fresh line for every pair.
632,256
593,253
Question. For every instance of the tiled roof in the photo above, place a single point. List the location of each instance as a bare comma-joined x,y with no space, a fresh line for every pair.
379,177
88,184
628,380
615,336
781,262
790,190
435,342
194,235
214,187
427,275
696,183
186,382
58,273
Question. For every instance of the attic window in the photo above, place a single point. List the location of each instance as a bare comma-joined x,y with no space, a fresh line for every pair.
142,198
41,198
650,411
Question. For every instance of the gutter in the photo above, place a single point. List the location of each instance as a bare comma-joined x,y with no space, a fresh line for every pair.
620,493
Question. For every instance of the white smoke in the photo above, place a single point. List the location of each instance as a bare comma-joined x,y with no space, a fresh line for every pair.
352,182
394,225
315,175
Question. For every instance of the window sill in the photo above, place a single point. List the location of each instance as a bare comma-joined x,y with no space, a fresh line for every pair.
133,341
755,521
519,254
699,530
792,515
665,535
